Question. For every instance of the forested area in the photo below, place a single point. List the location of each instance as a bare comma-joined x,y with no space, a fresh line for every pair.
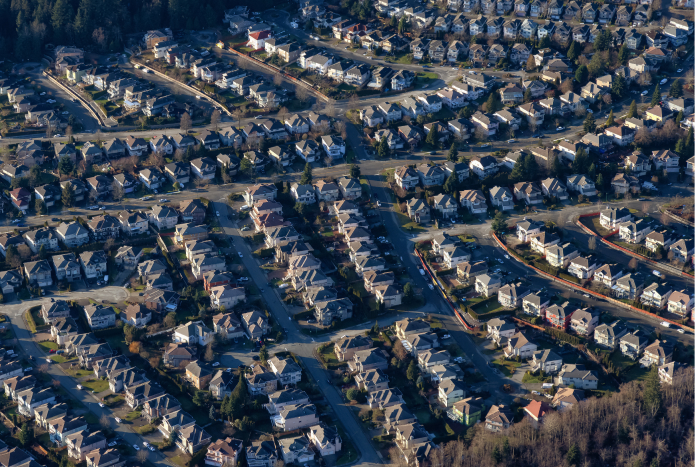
102,25
645,424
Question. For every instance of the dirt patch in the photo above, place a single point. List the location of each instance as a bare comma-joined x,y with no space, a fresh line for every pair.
277,274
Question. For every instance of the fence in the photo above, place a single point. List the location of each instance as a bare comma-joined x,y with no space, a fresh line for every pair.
588,291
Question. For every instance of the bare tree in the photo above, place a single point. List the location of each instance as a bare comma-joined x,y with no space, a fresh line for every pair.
633,264
117,191
592,243
186,122
104,421
302,93
283,113
580,111
277,79
215,119
341,128
329,110
607,99
141,456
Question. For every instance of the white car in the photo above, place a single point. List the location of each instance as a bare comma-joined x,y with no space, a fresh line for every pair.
243,278
506,256
446,337
240,255
48,360
680,330
136,447
118,420
486,145
151,447
431,287
471,72
65,112
215,364
559,129
245,207
586,295
102,405
645,92
217,213
590,111
511,141
79,387
680,70
535,392
163,200
665,324
664,81
113,444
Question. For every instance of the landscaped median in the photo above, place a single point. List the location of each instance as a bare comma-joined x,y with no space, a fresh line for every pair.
585,290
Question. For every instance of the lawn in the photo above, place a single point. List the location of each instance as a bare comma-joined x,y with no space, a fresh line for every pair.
48,345
506,367
146,429
407,224
77,373
487,306
132,416
329,357
117,341
97,386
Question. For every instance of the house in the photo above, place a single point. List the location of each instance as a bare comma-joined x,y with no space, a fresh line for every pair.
261,454
547,361
543,241
10,281
629,286
583,322
582,267
565,398
635,232
512,295
94,264
608,334
632,344
204,168
193,333
499,417
42,236
608,274
680,303
581,184
682,250
100,316
487,124
500,330
294,417
667,372
418,210
467,270
38,273
483,166
529,192
72,234
406,177
487,285
658,353
559,316
287,370
559,256
577,375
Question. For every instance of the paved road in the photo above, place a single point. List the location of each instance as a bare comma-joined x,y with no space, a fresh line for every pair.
301,345
29,347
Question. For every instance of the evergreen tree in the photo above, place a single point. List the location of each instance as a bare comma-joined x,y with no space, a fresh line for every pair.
623,54
689,142
499,223
652,392
581,75
676,90
496,455
528,95
579,165
557,168
596,65
679,117
408,293
26,435
592,171
453,153
383,149
68,195
263,354
619,86
412,373
599,182
355,171
656,97
306,175
589,123
611,120
61,19
451,183
433,136
602,41
633,110
530,167
573,455
402,25
517,174
574,51
65,165
493,103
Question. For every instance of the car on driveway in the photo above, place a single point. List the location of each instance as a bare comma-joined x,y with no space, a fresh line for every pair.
79,387
118,420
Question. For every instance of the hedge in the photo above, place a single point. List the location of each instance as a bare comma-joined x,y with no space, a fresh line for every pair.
445,272
566,337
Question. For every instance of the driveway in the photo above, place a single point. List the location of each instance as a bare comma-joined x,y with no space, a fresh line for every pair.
302,346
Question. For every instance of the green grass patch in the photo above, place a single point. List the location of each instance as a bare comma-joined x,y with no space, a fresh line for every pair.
132,416
48,345
506,367
407,224
146,429
78,373
97,386
91,418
